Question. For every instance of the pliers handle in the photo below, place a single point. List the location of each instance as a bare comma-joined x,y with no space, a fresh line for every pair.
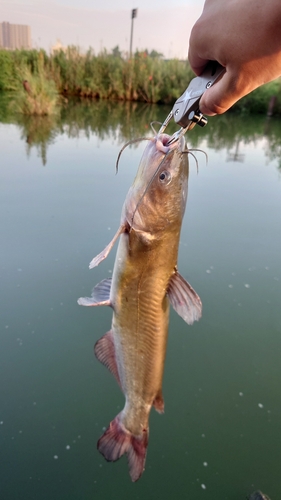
186,112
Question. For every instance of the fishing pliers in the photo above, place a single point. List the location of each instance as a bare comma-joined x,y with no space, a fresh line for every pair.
186,112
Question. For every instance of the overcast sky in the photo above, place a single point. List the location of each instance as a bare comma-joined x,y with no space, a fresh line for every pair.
160,24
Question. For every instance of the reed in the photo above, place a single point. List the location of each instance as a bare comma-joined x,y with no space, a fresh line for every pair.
41,99
36,92
143,78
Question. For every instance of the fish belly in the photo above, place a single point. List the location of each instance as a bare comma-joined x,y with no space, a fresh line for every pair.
139,326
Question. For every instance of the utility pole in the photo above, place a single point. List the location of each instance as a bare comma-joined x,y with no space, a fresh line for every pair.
134,14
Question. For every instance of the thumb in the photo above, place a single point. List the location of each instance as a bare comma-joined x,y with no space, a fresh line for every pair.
221,96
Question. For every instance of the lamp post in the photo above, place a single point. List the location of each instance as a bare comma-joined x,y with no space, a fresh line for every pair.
134,14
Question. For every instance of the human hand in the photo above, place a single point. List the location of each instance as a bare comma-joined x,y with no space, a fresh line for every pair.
244,37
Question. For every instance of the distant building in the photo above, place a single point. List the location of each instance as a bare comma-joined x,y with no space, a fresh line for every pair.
15,36
57,47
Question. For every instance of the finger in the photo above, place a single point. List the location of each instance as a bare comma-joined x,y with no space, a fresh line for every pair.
197,64
221,96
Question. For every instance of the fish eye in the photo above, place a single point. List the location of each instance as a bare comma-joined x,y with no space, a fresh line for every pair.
164,177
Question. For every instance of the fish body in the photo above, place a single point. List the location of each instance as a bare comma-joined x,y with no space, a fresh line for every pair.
145,281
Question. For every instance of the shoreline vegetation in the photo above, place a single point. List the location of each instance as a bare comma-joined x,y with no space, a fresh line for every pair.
39,83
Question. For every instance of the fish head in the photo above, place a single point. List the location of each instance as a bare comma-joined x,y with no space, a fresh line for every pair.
156,201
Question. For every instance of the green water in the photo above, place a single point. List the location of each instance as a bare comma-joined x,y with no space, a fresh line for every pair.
220,436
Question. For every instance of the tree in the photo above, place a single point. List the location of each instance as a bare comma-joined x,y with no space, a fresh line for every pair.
116,52
156,55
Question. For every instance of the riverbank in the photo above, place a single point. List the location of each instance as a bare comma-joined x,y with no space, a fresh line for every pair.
144,78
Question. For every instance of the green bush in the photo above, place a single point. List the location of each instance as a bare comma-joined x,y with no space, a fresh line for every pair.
36,94
7,74
258,100
146,77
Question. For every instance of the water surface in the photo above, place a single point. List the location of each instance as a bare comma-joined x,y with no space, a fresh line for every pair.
60,205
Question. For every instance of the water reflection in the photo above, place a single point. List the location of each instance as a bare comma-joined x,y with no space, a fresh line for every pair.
38,132
218,438
235,155
125,121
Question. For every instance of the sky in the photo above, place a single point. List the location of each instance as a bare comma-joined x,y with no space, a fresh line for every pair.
161,25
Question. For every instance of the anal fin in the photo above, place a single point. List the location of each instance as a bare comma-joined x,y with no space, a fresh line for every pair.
105,352
158,402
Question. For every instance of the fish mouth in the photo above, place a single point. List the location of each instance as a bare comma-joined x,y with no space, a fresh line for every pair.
162,143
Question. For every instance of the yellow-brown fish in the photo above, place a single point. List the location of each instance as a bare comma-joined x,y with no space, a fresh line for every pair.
145,281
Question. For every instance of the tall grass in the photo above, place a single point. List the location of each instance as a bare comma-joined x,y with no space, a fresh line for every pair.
143,78
28,75
41,99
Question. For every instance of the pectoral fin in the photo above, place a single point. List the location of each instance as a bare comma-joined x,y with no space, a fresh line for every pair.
100,295
184,299
102,255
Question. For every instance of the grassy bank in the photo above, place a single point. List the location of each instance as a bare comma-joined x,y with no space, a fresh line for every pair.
105,76
144,78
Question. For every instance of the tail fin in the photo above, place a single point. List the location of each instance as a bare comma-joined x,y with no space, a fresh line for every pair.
117,440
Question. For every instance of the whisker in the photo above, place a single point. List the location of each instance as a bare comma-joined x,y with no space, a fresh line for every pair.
133,141
200,151
153,129
189,151
196,161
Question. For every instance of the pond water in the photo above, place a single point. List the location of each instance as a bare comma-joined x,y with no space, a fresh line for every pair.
220,436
